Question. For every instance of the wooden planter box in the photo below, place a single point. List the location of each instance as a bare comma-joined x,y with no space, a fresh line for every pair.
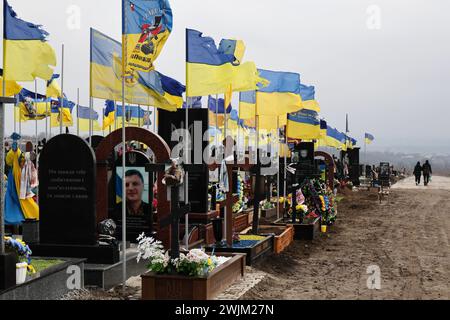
240,222
283,236
303,231
269,213
254,253
176,287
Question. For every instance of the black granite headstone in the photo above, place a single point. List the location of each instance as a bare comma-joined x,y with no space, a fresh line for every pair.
67,192
198,125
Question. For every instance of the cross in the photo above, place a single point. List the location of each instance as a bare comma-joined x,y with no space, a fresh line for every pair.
176,211
230,199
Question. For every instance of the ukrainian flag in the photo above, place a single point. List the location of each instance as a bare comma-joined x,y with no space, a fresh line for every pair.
369,138
235,48
152,88
308,96
134,116
247,112
218,105
110,114
53,88
281,96
210,71
146,28
55,117
32,106
27,55
85,115
303,125
333,138
12,87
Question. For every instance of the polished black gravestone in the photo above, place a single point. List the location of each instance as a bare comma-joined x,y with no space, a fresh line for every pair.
67,227
198,127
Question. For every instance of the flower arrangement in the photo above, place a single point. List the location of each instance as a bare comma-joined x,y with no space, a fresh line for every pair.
22,250
267,205
195,263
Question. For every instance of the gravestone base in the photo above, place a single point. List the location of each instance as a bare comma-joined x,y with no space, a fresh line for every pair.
93,253
7,271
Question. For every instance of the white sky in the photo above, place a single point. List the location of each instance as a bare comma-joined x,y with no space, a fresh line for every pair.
392,81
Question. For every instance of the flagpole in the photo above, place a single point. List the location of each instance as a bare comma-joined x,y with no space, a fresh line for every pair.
15,116
115,115
46,119
186,219
78,112
217,125
124,198
91,112
148,115
62,92
35,119
278,171
2,158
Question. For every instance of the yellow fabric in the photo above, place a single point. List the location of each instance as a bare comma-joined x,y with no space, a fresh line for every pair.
84,125
247,110
203,80
136,59
212,119
311,105
368,141
41,111
29,207
277,103
53,90
302,131
106,83
12,88
67,119
26,60
228,97
239,52
109,120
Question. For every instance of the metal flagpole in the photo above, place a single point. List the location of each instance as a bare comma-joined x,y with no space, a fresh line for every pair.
2,161
285,165
124,198
278,171
148,115
91,112
46,119
35,120
78,112
62,92
15,116
186,219
217,125
115,115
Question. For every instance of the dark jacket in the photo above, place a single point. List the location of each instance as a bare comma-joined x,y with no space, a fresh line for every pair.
417,170
427,169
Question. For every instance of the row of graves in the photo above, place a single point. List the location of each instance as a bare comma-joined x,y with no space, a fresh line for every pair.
187,242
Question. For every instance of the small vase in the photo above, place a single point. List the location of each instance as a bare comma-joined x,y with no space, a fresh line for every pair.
21,272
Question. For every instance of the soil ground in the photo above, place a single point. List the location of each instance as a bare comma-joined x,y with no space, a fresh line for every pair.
405,238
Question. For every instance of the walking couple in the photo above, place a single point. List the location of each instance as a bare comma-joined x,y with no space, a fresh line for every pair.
426,170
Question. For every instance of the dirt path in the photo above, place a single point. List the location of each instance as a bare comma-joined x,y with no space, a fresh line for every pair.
407,238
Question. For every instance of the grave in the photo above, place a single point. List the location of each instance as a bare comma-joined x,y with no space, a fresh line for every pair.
67,198
140,219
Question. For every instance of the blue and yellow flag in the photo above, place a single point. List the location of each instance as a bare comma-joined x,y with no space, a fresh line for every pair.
147,25
235,48
281,96
303,125
218,105
53,88
85,115
134,116
12,87
151,88
210,71
32,106
369,138
109,116
27,54
67,107
308,94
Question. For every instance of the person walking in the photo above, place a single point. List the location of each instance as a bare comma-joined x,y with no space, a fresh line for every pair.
427,172
418,173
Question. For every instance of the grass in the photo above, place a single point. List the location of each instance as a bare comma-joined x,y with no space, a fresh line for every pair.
40,265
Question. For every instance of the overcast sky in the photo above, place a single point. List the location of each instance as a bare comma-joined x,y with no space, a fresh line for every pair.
391,75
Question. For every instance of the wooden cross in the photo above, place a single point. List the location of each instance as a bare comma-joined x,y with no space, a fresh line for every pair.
230,199
176,211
